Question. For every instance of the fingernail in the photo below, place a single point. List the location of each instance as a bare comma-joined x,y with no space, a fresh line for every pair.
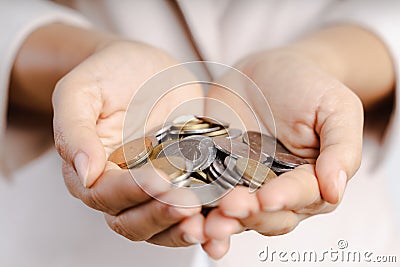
81,163
236,214
341,184
191,239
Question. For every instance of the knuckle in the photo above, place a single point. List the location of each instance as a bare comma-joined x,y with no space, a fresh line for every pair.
93,198
120,225
60,143
177,241
159,215
72,182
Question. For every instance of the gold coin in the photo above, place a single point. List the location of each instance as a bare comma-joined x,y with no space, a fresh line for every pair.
196,182
132,152
213,121
254,171
202,175
157,149
191,127
221,132
171,166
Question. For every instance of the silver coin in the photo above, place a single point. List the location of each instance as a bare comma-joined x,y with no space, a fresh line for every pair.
188,150
183,183
218,179
234,133
195,149
197,131
289,160
162,137
207,146
213,121
230,165
269,145
238,150
181,178
221,170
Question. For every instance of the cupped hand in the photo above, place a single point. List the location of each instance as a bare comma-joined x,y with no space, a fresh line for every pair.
317,118
90,104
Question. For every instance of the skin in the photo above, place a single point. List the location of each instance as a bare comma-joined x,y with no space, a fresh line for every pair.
324,82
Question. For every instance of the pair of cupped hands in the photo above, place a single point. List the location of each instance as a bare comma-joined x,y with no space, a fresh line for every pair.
316,117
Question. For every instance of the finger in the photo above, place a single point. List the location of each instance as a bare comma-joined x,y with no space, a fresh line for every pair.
188,232
216,249
75,116
116,189
273,223
293,190
220,227
340,131
144,221
239,203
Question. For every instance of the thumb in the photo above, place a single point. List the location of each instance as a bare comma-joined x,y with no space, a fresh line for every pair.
340,134
76,111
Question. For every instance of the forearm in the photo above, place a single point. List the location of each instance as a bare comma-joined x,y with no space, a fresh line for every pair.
353,55
47,55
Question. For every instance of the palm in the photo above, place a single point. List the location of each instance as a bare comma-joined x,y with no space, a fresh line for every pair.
313,114
108,80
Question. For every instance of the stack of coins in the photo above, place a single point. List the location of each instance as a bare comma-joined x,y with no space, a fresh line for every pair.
196,150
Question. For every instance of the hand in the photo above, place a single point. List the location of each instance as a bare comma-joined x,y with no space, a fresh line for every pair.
317,118
89,108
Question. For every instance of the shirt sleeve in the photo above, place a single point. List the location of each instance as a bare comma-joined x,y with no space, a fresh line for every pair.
18,19
383,19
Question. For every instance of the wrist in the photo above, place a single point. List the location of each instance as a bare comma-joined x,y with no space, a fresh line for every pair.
352,55
46,56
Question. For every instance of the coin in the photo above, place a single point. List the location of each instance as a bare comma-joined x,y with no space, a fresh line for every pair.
230,165
132,153
268,144
217,178
196,149
221,170
213,121
198,131
279,169
237,149
200,175
234,133
196,182
191,126
289,160
157,149
254,171
183,180
171,166
222,131
200,153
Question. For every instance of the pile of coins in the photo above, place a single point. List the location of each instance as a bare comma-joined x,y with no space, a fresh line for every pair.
196,150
